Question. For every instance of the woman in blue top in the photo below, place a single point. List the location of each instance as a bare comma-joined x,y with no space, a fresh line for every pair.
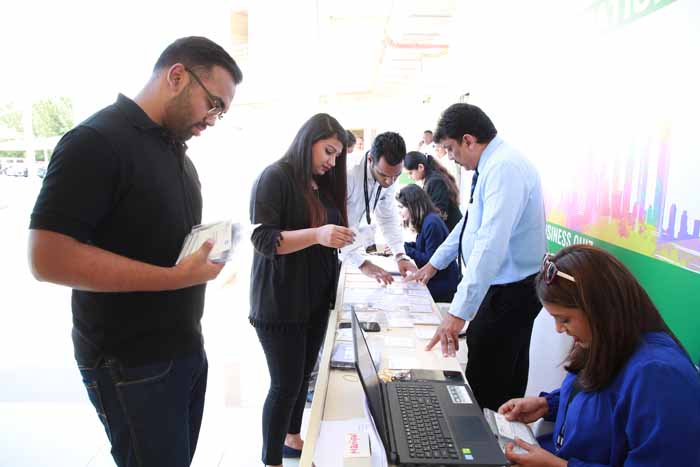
421,215
632,395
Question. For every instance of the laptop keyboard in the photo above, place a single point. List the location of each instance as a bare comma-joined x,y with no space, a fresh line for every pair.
426,430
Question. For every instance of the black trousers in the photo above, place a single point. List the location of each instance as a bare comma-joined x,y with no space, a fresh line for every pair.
291,355
498,343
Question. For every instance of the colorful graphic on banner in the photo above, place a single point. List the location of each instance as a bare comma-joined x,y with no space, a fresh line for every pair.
626,203
625,169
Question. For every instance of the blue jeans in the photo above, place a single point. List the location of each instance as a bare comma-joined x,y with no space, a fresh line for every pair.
152,413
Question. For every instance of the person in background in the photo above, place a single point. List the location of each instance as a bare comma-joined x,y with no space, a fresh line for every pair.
501,242
419,213
119,197
360,144
351,141
438,183
299,203
427,146
450,165
632,394
354,157
371,195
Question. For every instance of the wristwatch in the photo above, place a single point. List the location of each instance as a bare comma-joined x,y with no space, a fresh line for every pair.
402,257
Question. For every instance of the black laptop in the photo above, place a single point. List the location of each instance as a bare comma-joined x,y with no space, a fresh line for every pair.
425,422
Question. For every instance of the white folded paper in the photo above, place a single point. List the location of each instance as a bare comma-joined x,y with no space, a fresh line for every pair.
224,234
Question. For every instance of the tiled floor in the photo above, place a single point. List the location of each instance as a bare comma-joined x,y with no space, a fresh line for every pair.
70,435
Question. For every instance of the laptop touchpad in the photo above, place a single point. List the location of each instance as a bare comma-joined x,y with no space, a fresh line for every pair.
469,429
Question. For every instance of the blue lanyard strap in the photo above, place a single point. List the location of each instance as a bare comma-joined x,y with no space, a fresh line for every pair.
575,389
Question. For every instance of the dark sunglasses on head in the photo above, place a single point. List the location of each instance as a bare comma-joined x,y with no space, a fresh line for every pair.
550,271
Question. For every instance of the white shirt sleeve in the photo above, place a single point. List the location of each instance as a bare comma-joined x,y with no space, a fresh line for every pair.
386,215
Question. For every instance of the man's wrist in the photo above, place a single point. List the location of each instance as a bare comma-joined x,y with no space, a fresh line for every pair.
402,257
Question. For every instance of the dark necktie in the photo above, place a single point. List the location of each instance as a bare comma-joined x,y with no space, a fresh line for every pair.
475,177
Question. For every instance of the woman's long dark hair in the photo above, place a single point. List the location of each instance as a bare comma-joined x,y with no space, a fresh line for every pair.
333,183
418,203
616,306
430,165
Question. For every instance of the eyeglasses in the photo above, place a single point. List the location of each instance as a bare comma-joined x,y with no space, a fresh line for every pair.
217,104
550,271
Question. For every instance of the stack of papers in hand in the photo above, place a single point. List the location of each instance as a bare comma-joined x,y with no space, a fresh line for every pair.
224,234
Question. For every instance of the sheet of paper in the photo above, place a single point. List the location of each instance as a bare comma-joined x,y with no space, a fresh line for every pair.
425,332
424,318
419,292
224,234
401,362
396,291
421,308
364,237
364,295
418,300
399,322
344,334
414,286
362,316
331,439
393,341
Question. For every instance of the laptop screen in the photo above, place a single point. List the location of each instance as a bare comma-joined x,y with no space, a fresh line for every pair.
369,379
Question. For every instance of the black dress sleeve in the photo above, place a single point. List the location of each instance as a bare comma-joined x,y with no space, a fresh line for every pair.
267,208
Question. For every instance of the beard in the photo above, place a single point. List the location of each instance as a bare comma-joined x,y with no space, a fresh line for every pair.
176,119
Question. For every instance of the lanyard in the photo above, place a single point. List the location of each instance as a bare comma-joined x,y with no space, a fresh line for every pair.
475,177
575,389
376,198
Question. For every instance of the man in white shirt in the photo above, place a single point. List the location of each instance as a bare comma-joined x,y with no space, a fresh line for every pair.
427,146
372,197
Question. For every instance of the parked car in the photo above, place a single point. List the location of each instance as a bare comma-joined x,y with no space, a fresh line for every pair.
17,169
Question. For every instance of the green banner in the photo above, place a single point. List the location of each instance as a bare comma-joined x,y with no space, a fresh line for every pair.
609,14
669,286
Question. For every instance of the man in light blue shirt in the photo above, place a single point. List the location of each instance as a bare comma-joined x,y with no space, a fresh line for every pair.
501,243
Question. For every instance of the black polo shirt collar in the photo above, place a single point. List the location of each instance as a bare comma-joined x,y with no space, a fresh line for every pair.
135,114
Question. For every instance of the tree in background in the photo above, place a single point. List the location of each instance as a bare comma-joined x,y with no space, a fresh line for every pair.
10,122
52,117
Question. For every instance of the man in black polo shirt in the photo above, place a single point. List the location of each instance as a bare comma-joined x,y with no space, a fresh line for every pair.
119,197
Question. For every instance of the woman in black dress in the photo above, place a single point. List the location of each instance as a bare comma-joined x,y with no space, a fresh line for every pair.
300,203
440,185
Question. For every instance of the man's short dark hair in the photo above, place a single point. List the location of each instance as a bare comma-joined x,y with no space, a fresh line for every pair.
198,52
461,119
390,146
351,138
428,131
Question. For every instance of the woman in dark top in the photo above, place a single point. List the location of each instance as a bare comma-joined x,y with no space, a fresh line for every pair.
438,183
300,204
419,213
